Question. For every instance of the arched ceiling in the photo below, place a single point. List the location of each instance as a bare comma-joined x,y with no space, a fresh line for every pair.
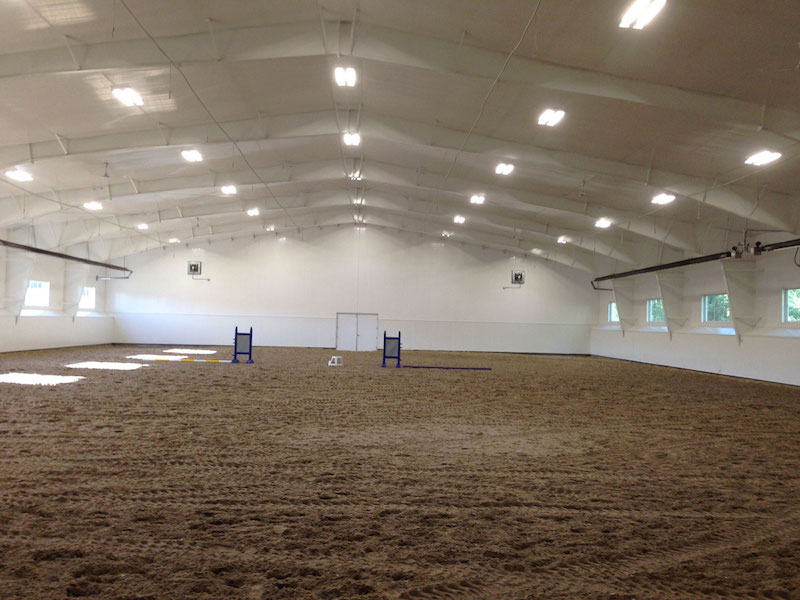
446,90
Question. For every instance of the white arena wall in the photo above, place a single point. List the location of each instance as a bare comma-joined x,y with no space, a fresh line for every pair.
765,348
442,295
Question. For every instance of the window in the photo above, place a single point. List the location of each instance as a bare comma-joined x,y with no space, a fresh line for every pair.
87,299
655,311
791,306
613,315
716,308
38,294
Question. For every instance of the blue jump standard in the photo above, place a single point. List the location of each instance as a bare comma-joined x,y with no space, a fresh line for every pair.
244,338
391,350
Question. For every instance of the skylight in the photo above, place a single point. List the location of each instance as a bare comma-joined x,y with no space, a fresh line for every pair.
551,117
93,205
253,212
345,76
477,199
759,158
228,190
504,169
640,13
603,223
192,155
459,219
18,174
128,96
351,139
663,199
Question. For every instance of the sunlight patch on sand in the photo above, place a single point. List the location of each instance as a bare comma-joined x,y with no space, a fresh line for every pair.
111,366
174,357
36,379
190,351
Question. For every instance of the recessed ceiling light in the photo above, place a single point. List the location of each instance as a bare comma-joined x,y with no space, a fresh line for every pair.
253,212
563,239
351,139
759,158
447,234
19,175
504,169
93,205
192,155
128,96
663,199
640,13
173,240
551,117
602,223
142,226
228,190
459,219
345,76
477,199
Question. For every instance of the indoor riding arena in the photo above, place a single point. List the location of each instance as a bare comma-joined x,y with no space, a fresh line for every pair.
432,299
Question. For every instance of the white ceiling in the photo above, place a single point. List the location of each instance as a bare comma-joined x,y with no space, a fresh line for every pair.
446,90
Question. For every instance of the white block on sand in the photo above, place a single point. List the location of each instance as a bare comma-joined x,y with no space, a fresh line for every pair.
111,366
157,357
190,351
36,379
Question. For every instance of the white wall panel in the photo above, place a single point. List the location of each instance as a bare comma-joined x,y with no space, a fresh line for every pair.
32,333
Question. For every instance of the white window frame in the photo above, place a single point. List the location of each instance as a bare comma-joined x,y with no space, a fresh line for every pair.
648,311
28,303
704,308
86,294
785,308
611,312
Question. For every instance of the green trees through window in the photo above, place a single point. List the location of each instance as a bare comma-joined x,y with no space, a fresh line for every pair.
655,311
716,308
791,306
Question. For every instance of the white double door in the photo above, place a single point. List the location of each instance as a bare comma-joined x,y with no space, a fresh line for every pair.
356,331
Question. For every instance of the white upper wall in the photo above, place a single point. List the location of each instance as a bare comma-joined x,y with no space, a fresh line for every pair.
403,277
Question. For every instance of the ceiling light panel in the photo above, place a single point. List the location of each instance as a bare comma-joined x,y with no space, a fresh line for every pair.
351,139
663,199
345,76
477,199
128,96
759,158
19,175
603,223
551,117
228,190
253,212
640,13
192,156
459,219
93,205
504,169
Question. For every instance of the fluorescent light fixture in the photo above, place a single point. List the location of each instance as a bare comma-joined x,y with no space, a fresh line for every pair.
459,219
759,158
271,228
345,76
18,174
192,156
228,190
551,117
360,228
477,199
358,218
663,199
128,96
358,201
142,226
253,212
563,239
355,176
447,234
93,205
640,13
172,241
351,139
282,239
504,169
536,251
603,223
